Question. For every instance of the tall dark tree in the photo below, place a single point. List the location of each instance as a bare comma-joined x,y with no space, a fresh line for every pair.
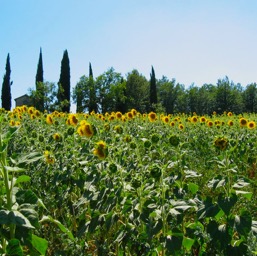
40,72
153,91
6,86
64,84
39,95
92,91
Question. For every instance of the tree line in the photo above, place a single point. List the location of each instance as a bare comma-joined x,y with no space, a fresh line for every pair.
111,91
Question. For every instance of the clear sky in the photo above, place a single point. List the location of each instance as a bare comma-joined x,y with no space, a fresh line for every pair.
193,41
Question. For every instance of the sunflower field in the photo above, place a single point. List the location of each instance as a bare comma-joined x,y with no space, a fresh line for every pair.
127,184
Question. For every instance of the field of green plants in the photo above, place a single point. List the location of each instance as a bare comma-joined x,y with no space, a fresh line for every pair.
127,184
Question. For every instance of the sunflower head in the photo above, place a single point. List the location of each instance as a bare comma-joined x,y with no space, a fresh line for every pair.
243,122
251,125
152,116
101,150
174,140
221,143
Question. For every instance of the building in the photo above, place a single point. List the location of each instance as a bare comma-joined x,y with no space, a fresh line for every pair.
22,100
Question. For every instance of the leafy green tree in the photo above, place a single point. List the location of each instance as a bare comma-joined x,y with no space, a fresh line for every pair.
168,93
6,86
153,91
228,96
64,84
137,92
182,100
110,87
250,98
207,99
48,95
193,99
39,99
81,94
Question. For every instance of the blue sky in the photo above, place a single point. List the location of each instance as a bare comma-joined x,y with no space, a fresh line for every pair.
193,41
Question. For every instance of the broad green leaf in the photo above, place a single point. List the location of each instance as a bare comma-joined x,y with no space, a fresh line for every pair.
59,224
40,244
14,169
22,178
17,218
191,174
241,184
226,203
30,158
26,196
193,188
188,243
14,248
243,223
4,217
246,194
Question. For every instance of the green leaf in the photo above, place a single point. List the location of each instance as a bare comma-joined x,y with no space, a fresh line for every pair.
193,188
226,203
17,218
243,223
208,209
59,224
14,248
4,217
29,212
26,196
40,244
14,169
22,178
191,174
188,243
240,184
30,158
246,194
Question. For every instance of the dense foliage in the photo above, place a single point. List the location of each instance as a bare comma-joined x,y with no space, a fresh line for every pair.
128,184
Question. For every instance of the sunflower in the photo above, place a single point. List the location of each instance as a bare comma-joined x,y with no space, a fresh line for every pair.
57,137
130,115
87,130
49,119
251,125
243,122
229,114
133,111
221,143
166,119
48,157
12,123
230,123
152,116
118,115
202,119
118,129
181,127
73,119
172,123
101,150
210,123
194,119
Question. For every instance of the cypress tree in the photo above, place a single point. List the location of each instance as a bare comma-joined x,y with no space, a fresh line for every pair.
153,91
39,75
64,84
39,100
6,86
92,91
